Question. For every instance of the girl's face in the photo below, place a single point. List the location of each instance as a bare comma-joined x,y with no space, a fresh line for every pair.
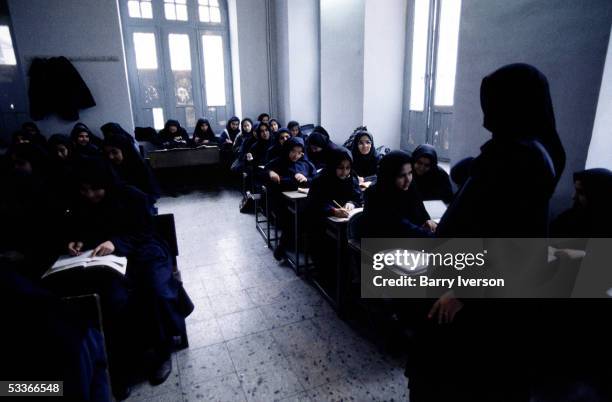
114,154
315,149
22,140
422,165
264,134
93,195
172,129
283,137
343,170
274,126
403,180
296,153
364,145
83,138
265,119
62,151
580,199
204,127
294,131
234,125
247,127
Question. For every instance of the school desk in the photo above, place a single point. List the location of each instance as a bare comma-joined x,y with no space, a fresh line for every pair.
295,201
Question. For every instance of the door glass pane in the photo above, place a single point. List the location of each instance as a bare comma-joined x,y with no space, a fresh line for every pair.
446,64
214,74
170,11
158,118
180,53
134,8
7,54
146,10
419,55
190,117
215,14
146,53
204,14
181,12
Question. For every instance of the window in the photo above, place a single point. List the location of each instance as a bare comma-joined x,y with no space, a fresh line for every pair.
140,9
435,37
178,61
7,54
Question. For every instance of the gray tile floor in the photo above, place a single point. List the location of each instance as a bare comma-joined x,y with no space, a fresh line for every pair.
258,332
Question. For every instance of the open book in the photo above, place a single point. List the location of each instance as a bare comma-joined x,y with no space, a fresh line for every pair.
435,209
351,213
85,260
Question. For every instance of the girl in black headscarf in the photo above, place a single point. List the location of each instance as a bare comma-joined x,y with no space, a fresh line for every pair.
83,141
32,129
110,218
256,155
591,214
365,157
274,127
286,173
61,156
393,208
430,180
173,135
130,167
318,146
247,135
232,129
275,149
203,134
294,129
263,118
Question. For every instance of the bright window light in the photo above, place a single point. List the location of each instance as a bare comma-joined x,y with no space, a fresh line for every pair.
146,53
446,65
180,53
419,55
7,53
158,118
214,74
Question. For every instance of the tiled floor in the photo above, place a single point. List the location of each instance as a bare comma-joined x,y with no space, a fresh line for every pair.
258,332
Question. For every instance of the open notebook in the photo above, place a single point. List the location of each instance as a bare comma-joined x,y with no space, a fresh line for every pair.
351,213
435,209
85,260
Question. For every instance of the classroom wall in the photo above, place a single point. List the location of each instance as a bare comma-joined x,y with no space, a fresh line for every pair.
600,149
342,66
566,39
67,28
383,74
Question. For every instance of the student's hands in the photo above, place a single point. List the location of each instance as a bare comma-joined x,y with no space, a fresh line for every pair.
430,225
361,179
205,142
349,206
300,178
274,177
249,156
105,248
340,213
74,248
228,141
446,308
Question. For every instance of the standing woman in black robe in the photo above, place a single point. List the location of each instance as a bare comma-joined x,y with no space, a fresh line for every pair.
203,134
111,218
333,192
430,179
130,167
365,157
83,141
393,207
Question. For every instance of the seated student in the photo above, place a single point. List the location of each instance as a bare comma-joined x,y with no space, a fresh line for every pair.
430,179
365,157
111,129
333,192
274,127
264,118
256,155
83,141
173,135
33,130
228,136
111,218
130,167
295,130
275,149
591,214
203,134
246,134
286,173
393,207
61,156
318,146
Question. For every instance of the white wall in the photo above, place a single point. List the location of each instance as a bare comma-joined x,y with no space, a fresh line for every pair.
566,39
384,55
600,150
342,35
76,28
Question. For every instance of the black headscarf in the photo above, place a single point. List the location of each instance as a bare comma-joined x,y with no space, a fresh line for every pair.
292,124
261,117
364,165
33,129
389,211
435,184
320,138
232,133
260,147
460,171
286,168
133,169
275,149
59,139
209,134
111,129
89,150
179,139
517,105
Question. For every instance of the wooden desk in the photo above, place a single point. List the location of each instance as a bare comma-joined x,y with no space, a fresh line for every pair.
295,198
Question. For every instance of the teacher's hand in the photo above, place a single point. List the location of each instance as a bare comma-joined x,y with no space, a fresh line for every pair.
103,249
